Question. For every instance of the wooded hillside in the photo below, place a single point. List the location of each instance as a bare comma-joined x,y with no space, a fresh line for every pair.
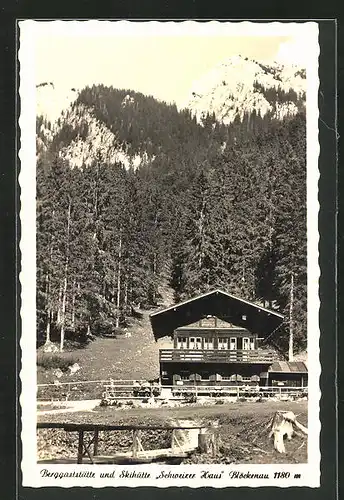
215,206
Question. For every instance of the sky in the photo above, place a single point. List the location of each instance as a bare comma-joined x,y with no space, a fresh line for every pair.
163,62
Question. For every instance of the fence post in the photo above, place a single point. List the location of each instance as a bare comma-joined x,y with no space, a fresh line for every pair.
203,443
208,443
80,447
174,444
95,442
135,442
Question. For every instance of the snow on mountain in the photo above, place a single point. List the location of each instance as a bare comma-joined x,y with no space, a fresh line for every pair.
56,108
52,100
242,85
229,90
93,139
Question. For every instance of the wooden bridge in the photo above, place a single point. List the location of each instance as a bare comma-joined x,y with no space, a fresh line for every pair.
185,439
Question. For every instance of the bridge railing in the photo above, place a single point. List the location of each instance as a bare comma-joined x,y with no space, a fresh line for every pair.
88,446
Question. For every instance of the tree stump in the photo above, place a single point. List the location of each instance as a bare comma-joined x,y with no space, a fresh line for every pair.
282,425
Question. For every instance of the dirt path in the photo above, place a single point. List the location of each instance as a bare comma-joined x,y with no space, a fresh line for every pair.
67,407
229,411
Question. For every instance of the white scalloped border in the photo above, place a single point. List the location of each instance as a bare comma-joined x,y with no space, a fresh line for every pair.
27,154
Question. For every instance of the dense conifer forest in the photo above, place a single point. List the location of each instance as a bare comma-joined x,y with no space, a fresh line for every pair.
215,206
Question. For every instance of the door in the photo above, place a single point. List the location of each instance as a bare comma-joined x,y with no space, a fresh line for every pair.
192,343
198,343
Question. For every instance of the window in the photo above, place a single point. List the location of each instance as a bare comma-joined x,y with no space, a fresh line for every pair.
208,343
252,344
245,343
195,343
223,343
233,343
198,343
182,342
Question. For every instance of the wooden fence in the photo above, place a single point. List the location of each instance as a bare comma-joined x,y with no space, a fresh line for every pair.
127,390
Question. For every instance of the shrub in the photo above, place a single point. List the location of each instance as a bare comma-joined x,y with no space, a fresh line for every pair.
56,360
190,398
102,327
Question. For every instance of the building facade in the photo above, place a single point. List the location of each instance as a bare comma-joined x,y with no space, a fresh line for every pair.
218,339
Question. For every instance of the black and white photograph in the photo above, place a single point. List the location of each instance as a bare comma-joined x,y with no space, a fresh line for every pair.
169,245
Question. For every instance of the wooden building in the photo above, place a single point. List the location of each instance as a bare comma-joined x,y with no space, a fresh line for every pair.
291,374
216,340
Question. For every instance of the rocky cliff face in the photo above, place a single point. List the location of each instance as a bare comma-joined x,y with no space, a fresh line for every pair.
56,109
229,91
240,86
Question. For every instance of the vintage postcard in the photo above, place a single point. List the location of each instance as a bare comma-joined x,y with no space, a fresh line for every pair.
170,276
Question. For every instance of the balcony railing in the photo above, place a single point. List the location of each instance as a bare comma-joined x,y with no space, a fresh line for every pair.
217,356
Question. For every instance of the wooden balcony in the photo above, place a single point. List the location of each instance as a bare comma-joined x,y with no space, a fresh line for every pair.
216,356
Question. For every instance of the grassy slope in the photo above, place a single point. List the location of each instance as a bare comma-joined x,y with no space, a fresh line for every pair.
120,358
136,357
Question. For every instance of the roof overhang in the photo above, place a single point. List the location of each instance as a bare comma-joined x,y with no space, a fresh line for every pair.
218,303
296,367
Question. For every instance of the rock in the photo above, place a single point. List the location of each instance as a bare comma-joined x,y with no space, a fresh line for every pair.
74,368
57,373
50,347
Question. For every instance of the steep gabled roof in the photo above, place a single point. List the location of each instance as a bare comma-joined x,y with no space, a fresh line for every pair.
218,303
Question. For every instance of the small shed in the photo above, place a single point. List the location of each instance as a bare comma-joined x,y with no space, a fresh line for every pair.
288,373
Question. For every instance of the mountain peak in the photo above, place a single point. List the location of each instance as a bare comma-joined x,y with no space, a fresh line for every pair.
54,98
240,85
